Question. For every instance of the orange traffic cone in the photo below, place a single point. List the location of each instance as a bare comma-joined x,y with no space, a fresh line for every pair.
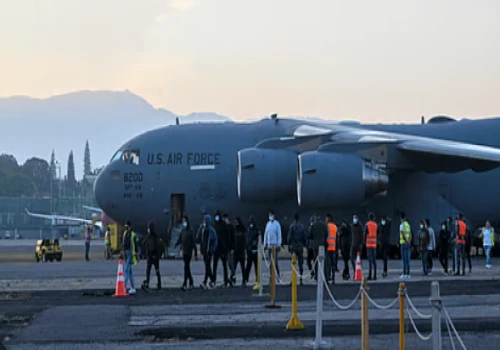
359,274
120,283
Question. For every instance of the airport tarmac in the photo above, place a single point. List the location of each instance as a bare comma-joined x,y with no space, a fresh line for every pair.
68,305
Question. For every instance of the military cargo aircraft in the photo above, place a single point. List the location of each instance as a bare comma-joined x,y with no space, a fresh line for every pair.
428,170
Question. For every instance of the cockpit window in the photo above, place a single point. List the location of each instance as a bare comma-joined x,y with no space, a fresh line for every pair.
131,157
117,156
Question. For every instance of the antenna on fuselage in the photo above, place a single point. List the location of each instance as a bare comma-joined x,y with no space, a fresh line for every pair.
275,118
422,120
176,120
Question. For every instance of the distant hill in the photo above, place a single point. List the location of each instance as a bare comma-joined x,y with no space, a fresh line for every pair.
33,127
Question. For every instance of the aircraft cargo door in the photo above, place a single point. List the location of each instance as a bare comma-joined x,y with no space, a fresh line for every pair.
177,207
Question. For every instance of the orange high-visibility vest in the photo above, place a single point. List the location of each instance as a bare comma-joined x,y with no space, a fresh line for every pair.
462,231
332,237
371,238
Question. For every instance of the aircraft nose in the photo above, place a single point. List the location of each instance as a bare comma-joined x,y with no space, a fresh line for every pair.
100,186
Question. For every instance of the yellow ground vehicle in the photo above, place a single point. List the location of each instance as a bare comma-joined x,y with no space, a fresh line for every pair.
48,250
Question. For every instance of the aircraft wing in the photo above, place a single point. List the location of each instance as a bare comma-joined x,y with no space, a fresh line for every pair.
94,209
58,217
399,151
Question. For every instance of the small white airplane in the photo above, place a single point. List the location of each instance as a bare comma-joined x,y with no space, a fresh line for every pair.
61,219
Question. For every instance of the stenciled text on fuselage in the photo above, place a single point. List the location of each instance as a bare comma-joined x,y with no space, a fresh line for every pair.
190,158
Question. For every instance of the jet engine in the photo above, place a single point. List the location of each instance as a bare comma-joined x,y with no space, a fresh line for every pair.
266,174
338,179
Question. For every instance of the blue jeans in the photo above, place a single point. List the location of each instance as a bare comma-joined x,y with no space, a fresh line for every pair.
487,249
87,250
406,255
372,261
460,257
424,254
128,269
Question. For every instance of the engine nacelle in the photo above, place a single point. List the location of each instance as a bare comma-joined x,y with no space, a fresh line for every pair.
337,180
266,174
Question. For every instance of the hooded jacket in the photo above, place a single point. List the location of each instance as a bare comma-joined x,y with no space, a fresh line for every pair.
318,233
240,235
152,245
384,233
252,236
207,237
357,235
222,231
297,237
188,241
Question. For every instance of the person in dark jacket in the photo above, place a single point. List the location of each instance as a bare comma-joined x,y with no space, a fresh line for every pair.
208,244
444,239
384,233
468,245
310,250
252,247
423,244
222,250
345,242
357,240
318,233
188,241
230,248
296,240
240,243
152,245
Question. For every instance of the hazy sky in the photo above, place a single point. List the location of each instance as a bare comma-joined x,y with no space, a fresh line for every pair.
369,60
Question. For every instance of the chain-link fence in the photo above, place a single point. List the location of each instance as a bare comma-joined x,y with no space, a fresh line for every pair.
13,215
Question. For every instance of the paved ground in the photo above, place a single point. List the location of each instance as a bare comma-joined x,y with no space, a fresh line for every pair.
378,342
68,305
99,273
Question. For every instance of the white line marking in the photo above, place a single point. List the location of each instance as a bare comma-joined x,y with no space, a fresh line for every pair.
203,167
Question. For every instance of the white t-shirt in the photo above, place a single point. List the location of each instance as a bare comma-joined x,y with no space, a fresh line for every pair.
432,240
487,237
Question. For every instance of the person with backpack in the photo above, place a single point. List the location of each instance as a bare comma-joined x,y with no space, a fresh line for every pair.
153,253
188,241
296,240
444,246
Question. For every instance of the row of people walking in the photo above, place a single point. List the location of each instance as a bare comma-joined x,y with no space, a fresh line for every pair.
235,244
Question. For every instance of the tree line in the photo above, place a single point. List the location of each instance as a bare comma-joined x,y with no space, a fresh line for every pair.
37,177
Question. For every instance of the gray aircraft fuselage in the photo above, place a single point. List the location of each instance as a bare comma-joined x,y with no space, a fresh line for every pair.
200,162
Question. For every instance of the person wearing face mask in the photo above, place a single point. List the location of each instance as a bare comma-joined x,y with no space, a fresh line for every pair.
222,251
310,250
357,240
345,242
423,245
318,232
230,248
405,243
152,246
240,236
488,236
272,238
384,233
252,248
431,247
444,240
371,229
207,237
188,241
296,241
453,242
